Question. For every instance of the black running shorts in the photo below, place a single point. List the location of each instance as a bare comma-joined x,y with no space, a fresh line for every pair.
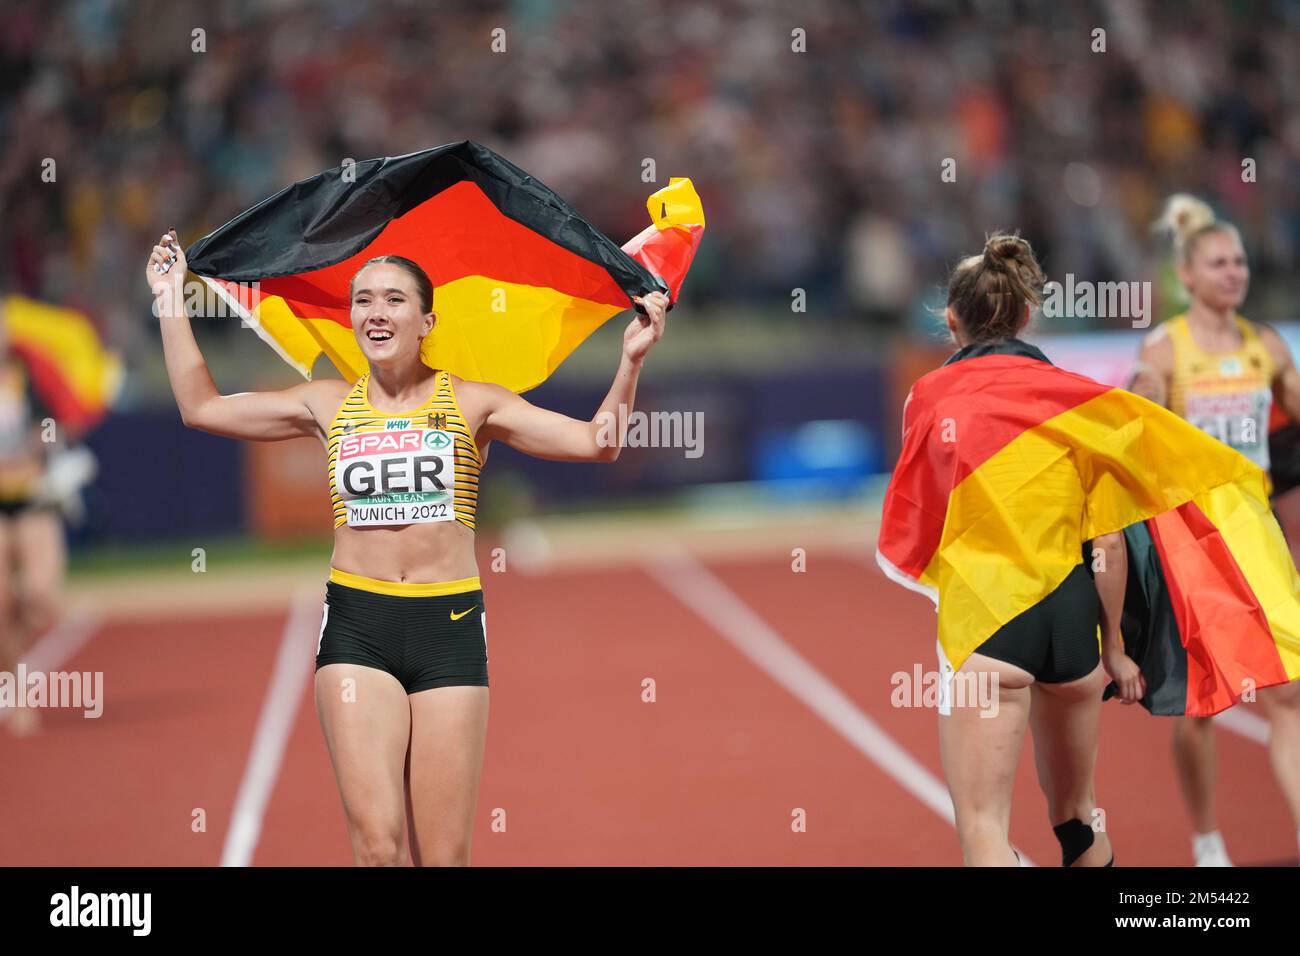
1056,639
423,638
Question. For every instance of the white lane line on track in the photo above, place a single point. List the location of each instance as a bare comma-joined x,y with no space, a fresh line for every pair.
60,643
293,667
700,590
1245,724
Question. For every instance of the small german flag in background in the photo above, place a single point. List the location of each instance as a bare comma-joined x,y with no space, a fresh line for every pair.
71,372
1010,464
520,279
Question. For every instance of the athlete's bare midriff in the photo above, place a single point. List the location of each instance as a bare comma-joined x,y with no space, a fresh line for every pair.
416,553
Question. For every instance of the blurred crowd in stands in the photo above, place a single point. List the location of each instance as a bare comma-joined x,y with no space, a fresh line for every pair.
816,133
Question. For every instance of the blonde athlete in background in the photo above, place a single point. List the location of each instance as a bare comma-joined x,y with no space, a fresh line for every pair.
1221,372
404,619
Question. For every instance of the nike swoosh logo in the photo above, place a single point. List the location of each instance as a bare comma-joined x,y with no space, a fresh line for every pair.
457,617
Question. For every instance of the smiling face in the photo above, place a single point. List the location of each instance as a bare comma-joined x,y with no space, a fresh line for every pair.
386,313
1217,274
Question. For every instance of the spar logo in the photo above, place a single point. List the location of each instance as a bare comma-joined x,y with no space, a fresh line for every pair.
379,443
409,440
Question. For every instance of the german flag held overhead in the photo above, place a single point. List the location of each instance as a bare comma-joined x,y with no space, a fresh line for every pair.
1009,465
520,278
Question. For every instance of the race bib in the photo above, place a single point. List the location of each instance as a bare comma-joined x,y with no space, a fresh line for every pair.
1238,419
397,476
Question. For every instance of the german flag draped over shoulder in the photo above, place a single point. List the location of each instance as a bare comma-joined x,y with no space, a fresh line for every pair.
520,278
1010,464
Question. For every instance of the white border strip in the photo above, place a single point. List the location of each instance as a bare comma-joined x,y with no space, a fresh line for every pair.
700,590
293,666
899,576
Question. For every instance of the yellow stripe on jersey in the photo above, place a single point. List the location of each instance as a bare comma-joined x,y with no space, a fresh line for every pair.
442,411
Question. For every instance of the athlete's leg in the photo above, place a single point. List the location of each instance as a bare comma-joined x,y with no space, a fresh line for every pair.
1194,761
9,651
1282,705
367,723
1064,719
979,754
21,720
448,734
42,558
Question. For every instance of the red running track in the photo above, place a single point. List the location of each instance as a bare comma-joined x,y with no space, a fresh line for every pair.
583,771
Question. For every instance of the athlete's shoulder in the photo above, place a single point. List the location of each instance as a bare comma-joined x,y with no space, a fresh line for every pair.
1158,344
1164,331
1272,341
1262,330
476,390
478,401
326,388
324,396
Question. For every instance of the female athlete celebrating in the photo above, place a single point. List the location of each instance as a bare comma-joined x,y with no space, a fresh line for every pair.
1221,372
1044,664
401,679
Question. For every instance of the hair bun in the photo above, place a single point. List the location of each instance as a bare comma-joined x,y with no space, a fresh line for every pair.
1002,249
1184,215
991,293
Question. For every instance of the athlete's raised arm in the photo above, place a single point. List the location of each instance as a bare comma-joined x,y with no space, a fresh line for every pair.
546,434
256,416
